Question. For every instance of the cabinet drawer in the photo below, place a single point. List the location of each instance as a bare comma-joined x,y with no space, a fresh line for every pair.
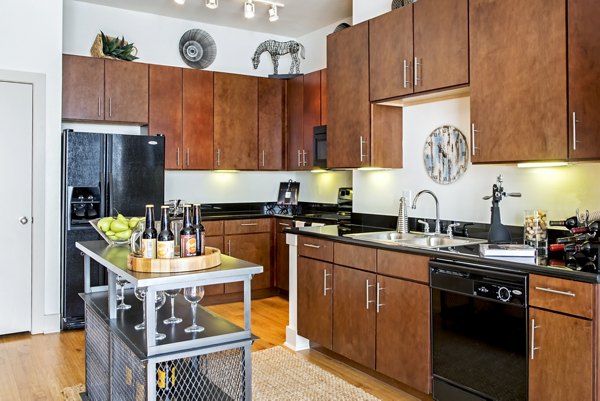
359,257
282,224
403,265
246,226
315,248
572,297
213,228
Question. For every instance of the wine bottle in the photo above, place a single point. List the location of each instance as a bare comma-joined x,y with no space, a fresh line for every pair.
165,244
200,233
187,239
584,248
149,235
556,247
591,228
568,223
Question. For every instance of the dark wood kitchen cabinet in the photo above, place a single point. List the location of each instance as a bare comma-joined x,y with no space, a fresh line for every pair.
358,134
282,255
235,121
271,124
420,47
584,79
213,231
251,240
562,339
197,130
307,108
518,85
165,96
104,90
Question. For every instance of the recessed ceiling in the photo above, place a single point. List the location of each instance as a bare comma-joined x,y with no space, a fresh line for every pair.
297,18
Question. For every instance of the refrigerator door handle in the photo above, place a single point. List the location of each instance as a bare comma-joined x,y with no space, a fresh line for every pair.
109,185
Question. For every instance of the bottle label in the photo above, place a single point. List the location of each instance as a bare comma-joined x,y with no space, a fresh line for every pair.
188,245
165,249
149,248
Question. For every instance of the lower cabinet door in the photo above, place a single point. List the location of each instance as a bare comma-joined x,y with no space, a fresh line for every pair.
354,315
403,332
215,289
255,248
561,361
315,300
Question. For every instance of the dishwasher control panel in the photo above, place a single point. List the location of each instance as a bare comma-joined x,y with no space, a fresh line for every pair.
500,291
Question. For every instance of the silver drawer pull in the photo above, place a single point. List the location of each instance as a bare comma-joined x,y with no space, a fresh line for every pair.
325,288
567,293
378,298
313,246
367,286
533,347
248,224
284,224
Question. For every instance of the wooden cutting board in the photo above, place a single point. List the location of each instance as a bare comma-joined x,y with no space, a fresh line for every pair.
211,258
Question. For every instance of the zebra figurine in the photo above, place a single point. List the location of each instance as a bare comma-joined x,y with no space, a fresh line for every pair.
277,49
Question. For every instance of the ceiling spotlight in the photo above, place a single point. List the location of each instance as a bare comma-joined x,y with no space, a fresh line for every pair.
273,13
212,4
180,1
249,9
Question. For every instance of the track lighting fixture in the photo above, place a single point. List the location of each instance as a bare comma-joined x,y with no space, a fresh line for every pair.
181,2
249,9
212,4
273,13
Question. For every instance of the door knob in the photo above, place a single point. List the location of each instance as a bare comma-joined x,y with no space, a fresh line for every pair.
23,220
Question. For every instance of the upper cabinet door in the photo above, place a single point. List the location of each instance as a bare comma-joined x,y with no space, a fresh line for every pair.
441,44
197,119
236,122
324,96
391,53
312,115
295,130
584,79
82,88
126,91
349,109
518,80
271,124
165,110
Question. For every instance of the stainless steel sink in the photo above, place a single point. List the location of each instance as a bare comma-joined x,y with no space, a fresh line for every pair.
416,240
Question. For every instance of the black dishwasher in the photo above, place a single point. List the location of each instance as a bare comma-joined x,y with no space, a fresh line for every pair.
479,333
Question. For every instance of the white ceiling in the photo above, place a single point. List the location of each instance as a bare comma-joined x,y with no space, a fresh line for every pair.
297,18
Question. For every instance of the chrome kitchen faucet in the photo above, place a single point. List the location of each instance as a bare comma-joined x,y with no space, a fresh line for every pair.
437,207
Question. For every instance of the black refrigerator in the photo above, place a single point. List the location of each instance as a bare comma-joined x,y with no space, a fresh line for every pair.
102,175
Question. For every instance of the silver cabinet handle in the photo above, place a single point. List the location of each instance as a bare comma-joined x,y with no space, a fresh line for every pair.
325,288
417,64
299,154
99,108
367,286
313,246
285,224
304,157
263,158
406,82
110,106
575,121
473,147
218,157
187,157
533,347
248,224
229,247
177,160
567,293
362,142
24,220
378,297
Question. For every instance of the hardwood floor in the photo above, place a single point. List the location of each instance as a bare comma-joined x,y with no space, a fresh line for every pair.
37,368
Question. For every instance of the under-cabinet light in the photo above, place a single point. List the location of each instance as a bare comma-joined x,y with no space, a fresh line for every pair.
542,164
226,171
318,170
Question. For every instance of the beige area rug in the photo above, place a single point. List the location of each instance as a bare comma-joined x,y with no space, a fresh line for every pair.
280,375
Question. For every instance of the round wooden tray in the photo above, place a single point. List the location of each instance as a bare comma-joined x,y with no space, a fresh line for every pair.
211,258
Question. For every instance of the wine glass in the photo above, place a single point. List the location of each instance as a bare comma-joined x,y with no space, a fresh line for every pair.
121,283
140,293
173,319
193,295
160,300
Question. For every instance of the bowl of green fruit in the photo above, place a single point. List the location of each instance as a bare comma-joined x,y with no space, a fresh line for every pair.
116,230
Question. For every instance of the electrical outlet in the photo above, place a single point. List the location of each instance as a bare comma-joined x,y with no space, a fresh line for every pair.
407,193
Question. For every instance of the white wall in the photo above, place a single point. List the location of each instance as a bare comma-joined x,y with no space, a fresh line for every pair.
157,40
31,42
363,10
316,47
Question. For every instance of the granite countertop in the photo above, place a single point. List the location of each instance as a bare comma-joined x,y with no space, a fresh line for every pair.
468,253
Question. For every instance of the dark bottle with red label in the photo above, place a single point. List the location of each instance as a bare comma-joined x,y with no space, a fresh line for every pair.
200,233
187,239
591,228
568,223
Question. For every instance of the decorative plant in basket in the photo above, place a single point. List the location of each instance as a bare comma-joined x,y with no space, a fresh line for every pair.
110,47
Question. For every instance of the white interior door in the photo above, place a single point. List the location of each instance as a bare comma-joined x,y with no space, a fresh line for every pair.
16,135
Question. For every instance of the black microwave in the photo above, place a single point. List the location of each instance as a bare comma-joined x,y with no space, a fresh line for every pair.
320,146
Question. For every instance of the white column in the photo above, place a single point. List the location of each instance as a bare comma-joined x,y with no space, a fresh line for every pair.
292,339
